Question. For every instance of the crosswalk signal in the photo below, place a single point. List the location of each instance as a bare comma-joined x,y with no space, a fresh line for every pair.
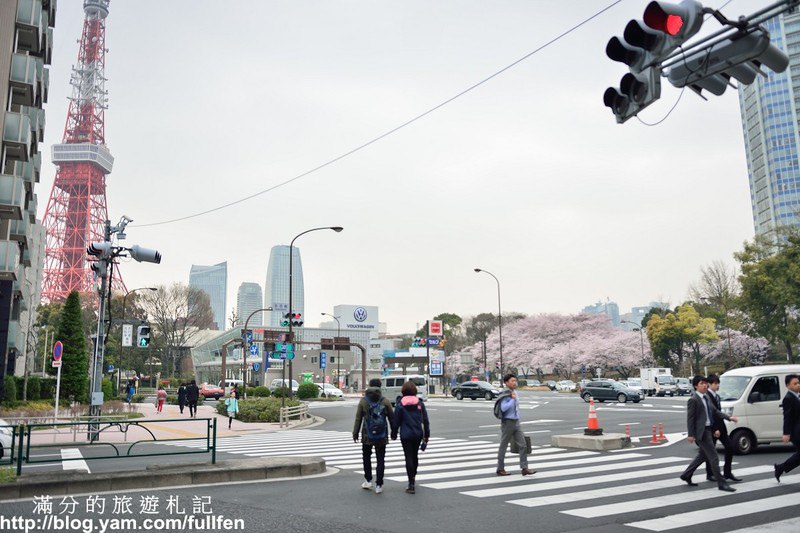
143,336
643,47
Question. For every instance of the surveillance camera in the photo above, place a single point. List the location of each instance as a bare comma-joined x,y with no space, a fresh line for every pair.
126,218
145,254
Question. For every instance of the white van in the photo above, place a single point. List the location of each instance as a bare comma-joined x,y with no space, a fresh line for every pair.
391,387
277,383
229,384
754,394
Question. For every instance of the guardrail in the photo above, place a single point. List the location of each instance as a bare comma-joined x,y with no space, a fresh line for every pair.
24,451
300,412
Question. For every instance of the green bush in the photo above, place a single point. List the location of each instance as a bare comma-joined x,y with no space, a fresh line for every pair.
281,392
258,409
307,390
47,389
20,387
522,382
109,390
261,392
34,388
10,391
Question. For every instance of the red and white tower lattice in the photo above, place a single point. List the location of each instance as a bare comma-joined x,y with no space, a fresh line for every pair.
76,211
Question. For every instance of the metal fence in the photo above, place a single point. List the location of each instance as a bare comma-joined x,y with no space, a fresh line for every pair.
98,442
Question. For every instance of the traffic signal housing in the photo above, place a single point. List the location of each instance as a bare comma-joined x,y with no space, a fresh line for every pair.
297,319
143,336
643,47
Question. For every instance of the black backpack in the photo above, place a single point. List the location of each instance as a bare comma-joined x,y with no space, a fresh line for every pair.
375,421
498,413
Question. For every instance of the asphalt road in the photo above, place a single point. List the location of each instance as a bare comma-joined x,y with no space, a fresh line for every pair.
573,491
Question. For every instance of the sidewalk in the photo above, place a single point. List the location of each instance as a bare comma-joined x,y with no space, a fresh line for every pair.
169,424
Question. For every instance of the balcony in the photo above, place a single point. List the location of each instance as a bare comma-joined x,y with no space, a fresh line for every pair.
33,204
20,231
25,79
26,257
25,171
37,118
29,25
9,260
17,136
12,197
44,90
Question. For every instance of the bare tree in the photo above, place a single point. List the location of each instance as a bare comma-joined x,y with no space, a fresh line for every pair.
178,313
234,318
718,285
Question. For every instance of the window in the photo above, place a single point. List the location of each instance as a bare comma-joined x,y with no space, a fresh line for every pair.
766,389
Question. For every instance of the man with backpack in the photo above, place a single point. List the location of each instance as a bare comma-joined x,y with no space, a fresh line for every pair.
375,421
506,408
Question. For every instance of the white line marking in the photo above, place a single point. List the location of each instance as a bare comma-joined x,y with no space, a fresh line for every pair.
521,423
629,423
74,464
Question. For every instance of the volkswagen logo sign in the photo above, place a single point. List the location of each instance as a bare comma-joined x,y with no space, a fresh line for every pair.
360,314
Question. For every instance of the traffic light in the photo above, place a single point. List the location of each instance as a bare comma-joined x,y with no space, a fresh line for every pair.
285,320
143,336
643,47
99,268
297,320
740,57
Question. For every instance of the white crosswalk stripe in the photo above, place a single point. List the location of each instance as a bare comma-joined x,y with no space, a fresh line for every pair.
642,489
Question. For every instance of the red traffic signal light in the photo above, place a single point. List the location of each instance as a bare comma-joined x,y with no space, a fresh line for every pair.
657,18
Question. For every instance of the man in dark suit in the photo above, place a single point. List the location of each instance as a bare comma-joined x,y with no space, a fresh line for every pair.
700,419
719,426
791,424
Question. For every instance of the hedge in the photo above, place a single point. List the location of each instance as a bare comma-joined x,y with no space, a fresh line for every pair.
258,409
307,390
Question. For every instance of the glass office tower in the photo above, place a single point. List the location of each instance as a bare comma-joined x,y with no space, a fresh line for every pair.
213,280
769,110
248,300
276,289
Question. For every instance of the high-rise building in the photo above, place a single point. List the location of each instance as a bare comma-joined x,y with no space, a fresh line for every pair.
248,300
604,308
26,46
213,280
770,108
276,289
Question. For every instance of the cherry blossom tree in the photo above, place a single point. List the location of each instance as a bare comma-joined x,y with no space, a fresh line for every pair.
744,349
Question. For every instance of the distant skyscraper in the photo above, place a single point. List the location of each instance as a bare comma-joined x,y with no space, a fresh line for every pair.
213,280
249,299
604,308
276,290
770,108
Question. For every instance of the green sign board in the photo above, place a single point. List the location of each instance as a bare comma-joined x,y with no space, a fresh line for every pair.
308,377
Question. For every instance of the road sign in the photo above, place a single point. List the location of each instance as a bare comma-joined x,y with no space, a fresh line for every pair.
254,349
434,341
249,336
323,359
127,334
58,349
256,366
436,368
284,347
56,363
110,368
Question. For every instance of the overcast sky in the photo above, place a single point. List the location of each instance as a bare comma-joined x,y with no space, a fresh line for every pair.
527,176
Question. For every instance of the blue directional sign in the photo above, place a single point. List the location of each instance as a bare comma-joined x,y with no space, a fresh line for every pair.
249,335
256,367
254,349
110,368
434,341
323,359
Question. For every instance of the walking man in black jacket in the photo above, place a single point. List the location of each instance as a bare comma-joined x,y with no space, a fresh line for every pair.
192,395
719,426
700,417
791,424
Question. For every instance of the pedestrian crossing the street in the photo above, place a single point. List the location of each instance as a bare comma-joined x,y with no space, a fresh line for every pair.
633,487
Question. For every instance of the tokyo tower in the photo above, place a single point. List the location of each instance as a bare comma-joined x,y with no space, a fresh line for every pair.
76,211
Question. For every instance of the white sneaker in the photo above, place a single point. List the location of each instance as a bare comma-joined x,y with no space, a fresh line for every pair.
366,485
378,489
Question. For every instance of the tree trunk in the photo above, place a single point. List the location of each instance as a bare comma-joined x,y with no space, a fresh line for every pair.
789,352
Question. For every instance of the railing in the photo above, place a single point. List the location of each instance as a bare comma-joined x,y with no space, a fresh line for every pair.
94,429
300,412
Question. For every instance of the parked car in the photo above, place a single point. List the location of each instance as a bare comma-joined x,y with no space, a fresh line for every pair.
684,386
534,383
326,389
474,390
209,390
550,383
6,437
497,385
609,390
566,385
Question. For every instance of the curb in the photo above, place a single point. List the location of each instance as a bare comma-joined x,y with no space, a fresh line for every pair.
159,476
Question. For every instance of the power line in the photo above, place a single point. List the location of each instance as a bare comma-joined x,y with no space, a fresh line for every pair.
391,131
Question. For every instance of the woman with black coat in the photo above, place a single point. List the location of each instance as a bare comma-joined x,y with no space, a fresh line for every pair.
411,419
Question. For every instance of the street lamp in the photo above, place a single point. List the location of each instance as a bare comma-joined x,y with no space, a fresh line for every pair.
639,329
246,353
338,357
499,317
337,229
124,302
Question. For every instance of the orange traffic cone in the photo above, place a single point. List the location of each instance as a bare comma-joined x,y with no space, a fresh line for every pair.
654,440
661,436
628,430
592,425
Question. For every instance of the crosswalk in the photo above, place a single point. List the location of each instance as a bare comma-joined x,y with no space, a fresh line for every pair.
633,487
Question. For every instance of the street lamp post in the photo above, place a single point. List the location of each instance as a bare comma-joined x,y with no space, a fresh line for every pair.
336,345
124,302
246,343
337,229
641,335
499,317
